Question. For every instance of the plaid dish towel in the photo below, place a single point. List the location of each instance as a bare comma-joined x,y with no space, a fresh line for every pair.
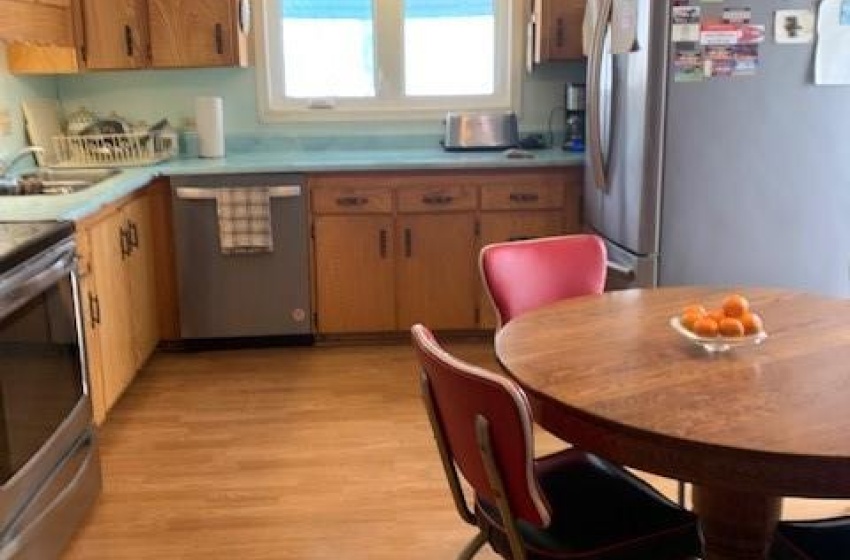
244,220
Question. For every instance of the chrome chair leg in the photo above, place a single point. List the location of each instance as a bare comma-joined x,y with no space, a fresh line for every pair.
472,548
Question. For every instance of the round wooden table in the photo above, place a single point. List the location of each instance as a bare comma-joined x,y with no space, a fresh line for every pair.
746,427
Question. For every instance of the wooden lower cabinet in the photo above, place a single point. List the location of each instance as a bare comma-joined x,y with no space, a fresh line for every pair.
119,295
436,285
355,285
394,249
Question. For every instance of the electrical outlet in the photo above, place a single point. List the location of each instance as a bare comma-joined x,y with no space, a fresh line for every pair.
5,122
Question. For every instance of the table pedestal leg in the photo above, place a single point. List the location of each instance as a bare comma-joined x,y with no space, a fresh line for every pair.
736,525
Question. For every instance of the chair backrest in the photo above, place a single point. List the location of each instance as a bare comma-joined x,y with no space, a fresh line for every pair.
460,394
523,275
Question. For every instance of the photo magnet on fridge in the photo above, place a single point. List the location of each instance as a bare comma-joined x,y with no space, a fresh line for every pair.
794,26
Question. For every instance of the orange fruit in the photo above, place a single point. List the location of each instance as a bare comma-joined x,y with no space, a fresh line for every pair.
689,318
731,326
717,314
706,326
735,305
695,309
752,323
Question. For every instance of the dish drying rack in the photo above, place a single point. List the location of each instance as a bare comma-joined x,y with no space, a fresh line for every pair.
130,149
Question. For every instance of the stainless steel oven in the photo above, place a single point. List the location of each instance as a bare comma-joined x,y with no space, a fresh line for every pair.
49,467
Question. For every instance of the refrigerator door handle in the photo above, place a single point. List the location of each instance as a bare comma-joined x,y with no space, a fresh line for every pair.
594,125
625,272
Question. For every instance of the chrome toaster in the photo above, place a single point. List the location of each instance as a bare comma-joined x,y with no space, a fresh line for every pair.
480,131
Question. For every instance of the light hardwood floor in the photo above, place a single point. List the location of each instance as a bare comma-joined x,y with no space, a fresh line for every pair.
319,453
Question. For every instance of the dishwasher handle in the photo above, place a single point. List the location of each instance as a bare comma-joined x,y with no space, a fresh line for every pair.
205,193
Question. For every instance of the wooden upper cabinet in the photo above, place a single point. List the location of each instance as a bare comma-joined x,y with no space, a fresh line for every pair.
193,33
115,34
42,23
558,30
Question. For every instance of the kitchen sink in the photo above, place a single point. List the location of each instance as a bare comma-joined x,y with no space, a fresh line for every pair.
57,181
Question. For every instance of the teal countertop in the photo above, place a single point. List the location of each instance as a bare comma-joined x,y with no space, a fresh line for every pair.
78,205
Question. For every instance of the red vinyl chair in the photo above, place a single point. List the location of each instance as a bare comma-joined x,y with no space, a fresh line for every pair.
569,505
522,275
823,539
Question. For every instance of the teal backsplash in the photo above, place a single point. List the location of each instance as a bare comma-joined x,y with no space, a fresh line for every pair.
12,90
150,95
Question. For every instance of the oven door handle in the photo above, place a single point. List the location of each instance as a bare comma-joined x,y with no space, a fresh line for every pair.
35,276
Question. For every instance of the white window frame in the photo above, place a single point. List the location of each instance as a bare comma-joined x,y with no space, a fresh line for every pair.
275,107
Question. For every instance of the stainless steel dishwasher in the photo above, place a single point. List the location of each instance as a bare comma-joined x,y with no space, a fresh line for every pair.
261,295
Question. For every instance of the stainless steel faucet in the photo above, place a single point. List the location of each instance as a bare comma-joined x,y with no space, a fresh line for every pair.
6,167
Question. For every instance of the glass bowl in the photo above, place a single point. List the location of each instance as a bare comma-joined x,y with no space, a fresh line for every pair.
717,343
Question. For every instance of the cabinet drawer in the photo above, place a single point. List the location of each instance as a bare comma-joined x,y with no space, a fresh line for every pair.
352,200
436,198
519,196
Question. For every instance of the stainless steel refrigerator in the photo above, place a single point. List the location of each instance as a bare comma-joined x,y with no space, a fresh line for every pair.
735,179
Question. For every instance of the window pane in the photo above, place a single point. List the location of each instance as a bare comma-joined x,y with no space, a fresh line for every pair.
328,48
449,47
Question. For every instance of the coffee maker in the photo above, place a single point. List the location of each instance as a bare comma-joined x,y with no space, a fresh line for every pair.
575,117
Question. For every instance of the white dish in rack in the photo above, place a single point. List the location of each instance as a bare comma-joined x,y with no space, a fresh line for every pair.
717,343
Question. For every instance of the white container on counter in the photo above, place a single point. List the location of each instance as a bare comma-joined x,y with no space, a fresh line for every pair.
209,120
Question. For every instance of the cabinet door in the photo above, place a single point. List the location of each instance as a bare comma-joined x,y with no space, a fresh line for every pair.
90,312
437,271
194,33
510,226
354,274
142,280
560,30
109,252
115,34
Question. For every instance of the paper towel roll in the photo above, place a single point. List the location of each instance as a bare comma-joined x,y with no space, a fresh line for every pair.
209,119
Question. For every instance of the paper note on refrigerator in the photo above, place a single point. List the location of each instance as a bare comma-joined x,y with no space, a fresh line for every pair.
624,26
832,57
592,12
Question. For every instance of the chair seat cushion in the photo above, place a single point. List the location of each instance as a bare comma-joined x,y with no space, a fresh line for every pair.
600,512
825,539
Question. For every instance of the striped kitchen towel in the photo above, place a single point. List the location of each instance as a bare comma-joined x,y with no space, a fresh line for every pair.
244,220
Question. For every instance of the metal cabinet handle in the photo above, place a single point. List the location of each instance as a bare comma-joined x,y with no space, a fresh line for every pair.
132,235
94,310
219,39
437,199
351,201
382,243
524,197
124,240
128,40
408,242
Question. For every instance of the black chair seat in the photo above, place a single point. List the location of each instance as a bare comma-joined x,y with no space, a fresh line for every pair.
824,539
602,512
